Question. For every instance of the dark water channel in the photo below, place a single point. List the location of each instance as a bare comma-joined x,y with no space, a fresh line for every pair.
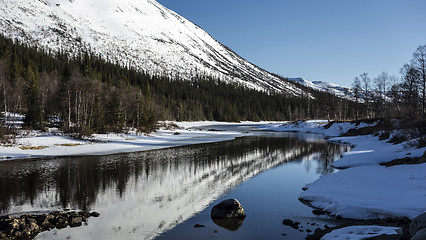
163,193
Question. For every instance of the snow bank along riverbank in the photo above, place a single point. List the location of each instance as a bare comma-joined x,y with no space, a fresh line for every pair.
364,188
36,144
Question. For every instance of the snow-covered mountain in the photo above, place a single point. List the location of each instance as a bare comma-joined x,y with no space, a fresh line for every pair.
137,33
337,90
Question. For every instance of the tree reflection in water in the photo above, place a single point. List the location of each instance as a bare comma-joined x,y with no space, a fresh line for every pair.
143,194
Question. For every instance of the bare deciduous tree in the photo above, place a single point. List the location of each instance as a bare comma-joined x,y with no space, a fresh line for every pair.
365,83
419,63
410,87
381,83
356,88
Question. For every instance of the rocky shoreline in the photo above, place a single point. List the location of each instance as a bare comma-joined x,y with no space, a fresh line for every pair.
29,225
402,223
408,229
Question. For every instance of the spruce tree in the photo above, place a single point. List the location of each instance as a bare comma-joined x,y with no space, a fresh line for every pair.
33,117
115,117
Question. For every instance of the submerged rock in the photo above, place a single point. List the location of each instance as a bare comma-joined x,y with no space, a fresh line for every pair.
230,208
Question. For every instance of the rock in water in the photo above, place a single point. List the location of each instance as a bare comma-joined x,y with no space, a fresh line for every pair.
420,235
289,222
28,226
318,212
76,221
94,214
418,223
229,208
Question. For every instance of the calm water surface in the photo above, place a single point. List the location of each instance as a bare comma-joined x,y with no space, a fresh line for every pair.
161,194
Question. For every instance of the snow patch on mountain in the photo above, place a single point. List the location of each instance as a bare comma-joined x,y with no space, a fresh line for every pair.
337,90
141,34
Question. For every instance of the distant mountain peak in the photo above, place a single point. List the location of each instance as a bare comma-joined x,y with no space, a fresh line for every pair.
338,90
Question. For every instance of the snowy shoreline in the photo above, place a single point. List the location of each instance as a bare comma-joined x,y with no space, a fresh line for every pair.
36,144
364,189
362,175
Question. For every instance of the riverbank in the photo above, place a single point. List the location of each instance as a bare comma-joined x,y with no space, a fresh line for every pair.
53,143
365,189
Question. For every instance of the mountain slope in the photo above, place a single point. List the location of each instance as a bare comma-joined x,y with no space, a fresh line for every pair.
141,34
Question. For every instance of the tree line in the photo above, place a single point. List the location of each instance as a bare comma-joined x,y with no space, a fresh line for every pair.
391,97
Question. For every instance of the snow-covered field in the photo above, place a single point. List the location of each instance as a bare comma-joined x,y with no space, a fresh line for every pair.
371,192
365,189
369,150
36,144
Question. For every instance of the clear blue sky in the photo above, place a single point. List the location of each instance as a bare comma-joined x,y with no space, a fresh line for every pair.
328,40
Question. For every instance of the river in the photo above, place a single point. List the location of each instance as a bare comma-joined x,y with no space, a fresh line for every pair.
161,194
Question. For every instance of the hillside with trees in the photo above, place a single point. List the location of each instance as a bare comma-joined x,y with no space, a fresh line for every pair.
86,94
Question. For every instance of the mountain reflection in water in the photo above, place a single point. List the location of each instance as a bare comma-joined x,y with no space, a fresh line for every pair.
140,195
